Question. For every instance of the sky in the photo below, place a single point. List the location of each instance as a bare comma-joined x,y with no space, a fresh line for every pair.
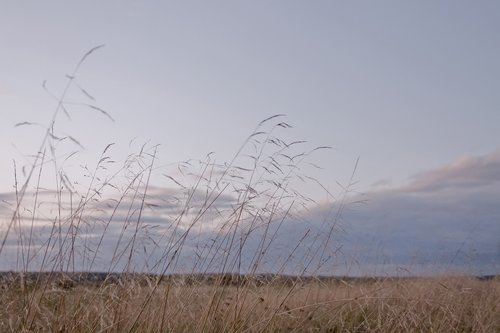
408,88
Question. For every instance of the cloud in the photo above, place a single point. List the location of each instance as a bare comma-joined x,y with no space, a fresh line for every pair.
108,224
446,219
468,172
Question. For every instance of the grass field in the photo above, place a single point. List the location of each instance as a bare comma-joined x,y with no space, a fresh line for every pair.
225,303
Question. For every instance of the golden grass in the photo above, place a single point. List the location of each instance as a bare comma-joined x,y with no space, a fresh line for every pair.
447,304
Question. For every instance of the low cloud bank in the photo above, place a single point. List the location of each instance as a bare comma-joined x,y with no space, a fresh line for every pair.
447,219
444,220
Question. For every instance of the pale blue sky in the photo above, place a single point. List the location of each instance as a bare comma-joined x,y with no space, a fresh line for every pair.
406,86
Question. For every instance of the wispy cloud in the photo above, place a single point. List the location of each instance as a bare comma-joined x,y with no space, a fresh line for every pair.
464,174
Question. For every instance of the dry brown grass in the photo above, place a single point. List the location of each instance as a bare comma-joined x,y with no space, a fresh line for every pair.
448,304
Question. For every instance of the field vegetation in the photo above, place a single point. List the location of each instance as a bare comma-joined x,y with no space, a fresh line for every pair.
228,303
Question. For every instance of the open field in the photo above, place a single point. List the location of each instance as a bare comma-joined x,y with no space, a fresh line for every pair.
224,303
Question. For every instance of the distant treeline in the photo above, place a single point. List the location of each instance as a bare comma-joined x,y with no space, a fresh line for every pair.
64,279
